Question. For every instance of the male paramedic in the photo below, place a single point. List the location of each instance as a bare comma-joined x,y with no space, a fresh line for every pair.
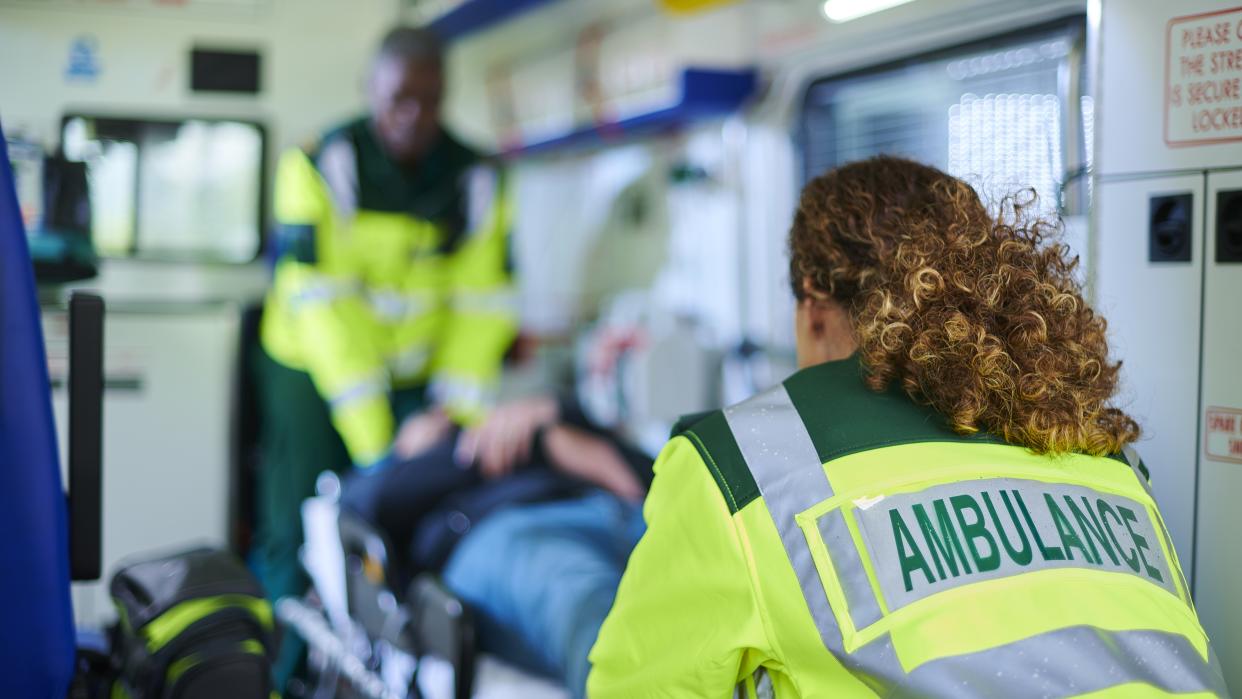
390,296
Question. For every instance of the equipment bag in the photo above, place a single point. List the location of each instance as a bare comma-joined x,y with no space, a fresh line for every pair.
193,625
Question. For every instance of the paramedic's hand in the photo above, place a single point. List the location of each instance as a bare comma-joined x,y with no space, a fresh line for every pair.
586,456
505,437
420,432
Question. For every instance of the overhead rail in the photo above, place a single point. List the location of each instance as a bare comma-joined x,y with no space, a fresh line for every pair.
703,93
471,16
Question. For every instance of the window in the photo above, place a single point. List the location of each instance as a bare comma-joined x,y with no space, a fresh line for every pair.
993,113
172,189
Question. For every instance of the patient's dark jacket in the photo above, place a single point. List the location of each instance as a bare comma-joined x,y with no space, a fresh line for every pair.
427,504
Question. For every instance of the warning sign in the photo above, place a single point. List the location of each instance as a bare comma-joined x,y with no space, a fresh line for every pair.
1203,79
1223,434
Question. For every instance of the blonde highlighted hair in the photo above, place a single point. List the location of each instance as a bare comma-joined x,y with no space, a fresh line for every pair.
979,316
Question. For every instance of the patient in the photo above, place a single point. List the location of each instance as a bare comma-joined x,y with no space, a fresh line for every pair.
529,517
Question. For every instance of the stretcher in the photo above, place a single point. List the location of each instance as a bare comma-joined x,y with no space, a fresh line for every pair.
368,639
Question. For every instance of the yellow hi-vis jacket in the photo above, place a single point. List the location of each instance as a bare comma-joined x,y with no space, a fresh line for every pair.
390,279
823,540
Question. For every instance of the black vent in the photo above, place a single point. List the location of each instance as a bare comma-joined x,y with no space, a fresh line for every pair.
214,70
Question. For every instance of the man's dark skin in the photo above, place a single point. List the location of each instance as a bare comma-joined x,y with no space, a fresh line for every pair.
405,96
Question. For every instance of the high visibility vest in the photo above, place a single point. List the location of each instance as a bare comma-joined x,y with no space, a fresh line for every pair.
376,291
823,540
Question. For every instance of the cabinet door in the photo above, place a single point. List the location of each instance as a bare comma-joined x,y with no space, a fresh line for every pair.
1153,311
168,382
1218,563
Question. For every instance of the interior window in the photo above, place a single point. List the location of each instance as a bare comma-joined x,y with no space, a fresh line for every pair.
994,113
172,189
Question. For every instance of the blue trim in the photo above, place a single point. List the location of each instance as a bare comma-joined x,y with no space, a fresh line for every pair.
704,93
36,636
474,15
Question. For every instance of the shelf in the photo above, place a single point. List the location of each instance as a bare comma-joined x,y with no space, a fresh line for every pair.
475,15
704,93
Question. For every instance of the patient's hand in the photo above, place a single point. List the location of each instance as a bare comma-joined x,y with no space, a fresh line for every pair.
586,456
505,437
420,432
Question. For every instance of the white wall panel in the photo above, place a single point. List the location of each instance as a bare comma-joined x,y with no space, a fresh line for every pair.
314,59
1218,565
1131,87
1153,312
168,381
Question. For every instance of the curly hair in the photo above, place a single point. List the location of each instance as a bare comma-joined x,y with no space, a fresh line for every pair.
978,316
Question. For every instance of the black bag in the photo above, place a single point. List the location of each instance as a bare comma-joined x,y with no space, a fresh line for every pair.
60,244
193,625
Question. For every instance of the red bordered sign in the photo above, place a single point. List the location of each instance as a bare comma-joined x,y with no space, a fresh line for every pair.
1203,79
1222,434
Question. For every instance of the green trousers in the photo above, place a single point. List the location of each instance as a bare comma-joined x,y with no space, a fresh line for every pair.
297,442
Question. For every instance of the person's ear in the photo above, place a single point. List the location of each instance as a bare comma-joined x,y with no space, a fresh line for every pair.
818,307
810,292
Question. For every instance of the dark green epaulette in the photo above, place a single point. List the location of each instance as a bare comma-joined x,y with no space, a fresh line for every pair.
685,422
711,436
338,132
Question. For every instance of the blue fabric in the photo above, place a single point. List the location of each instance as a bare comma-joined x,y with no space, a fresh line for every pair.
36,637
542,577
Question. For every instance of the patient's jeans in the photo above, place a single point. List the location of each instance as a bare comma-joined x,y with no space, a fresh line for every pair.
542,577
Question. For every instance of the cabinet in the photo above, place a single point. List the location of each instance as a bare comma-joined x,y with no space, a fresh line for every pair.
1177,325
169,373
1218,556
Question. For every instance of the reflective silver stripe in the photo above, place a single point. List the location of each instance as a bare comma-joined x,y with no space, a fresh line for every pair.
482,184
1066,663
1133,459
763,685
780,455
859,597
1061,663
320,292
409,362
466,394
359,390
338,165
398,306
503,302
1124,529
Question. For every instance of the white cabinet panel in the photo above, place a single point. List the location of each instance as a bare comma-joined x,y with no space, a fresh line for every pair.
1218,574
1153,310
168,376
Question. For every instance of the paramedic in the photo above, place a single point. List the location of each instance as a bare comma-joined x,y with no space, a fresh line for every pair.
389,296
941,502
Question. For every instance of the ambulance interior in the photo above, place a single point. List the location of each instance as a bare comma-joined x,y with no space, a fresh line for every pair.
656,149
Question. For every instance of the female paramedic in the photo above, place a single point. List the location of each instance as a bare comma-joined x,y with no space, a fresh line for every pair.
941,502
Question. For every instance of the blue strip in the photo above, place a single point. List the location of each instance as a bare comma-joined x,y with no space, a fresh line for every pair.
474,15
704,94
36,637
